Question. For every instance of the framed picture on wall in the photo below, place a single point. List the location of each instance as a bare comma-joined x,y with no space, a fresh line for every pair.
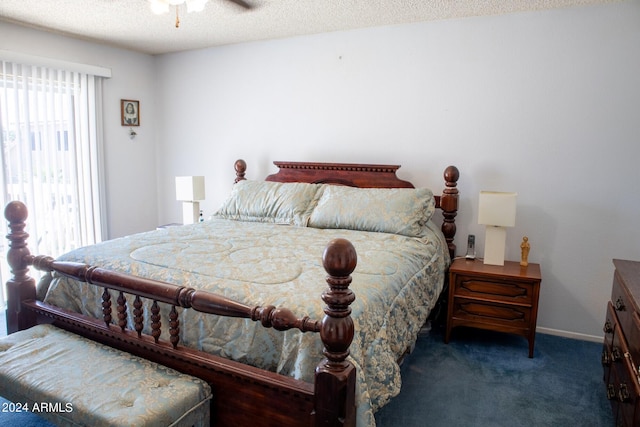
129,112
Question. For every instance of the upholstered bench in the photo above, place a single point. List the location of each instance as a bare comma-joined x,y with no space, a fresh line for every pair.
72,381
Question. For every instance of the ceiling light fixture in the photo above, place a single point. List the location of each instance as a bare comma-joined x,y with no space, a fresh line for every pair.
162,6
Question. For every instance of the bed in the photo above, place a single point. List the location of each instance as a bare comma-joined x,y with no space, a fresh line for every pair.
348,253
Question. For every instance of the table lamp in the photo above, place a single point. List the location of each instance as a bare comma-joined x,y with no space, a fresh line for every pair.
189,190
496,210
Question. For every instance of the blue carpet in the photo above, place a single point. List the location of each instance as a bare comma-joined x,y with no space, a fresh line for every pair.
483,378
11,417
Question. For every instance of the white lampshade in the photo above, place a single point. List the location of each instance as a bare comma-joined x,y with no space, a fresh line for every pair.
196,5
497,208
190,188
162,6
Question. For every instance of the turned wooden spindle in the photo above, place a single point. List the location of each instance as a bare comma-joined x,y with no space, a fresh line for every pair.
335,375
241,168
138,315
155,321
106,307
449,206
122,311
174,327
21,286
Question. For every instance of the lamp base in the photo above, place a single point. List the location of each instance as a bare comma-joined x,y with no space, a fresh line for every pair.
190,212
494,245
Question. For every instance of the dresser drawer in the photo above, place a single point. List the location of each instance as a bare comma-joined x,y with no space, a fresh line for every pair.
621,303
625,390
633,338
494,289
610,327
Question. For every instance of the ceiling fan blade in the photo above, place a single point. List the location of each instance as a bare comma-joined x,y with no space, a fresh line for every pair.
241,3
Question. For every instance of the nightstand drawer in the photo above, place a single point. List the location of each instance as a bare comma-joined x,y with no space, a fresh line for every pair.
483,312
490,289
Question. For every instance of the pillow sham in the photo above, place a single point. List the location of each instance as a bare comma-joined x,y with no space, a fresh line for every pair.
403,211
273,202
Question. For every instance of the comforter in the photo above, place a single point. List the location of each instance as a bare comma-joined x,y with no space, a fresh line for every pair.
397,281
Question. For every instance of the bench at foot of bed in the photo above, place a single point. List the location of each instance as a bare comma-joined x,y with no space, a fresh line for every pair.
70,380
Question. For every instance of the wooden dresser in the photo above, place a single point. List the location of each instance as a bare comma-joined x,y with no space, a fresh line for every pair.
621,348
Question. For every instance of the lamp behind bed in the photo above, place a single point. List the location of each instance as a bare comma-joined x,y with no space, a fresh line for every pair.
189,190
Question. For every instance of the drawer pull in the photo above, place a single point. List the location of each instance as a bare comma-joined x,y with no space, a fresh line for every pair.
623,393
607,327
611,392
620,304
606,358
615,354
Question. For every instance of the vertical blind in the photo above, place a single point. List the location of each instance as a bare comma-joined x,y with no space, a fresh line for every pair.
51,158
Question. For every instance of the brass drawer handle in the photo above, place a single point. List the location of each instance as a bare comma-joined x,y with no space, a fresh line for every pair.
606,358
615,354
620,304
607,327
611,392
623,393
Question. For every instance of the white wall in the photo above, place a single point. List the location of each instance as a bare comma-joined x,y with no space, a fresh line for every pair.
546,104
130,164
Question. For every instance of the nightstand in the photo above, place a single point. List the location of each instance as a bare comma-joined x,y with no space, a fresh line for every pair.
494,297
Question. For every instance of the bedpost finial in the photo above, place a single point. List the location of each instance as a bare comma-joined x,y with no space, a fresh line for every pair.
15,212
451,176
335,372
339,258
20,286
241,167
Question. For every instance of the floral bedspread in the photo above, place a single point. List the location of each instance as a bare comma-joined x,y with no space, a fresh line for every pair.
396,282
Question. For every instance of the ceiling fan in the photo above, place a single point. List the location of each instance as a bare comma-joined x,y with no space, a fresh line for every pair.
162,6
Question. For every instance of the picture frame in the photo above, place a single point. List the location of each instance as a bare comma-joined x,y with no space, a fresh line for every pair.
129,112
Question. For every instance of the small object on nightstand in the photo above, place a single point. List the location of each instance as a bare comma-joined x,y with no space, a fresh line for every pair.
471,247
498,298
525,247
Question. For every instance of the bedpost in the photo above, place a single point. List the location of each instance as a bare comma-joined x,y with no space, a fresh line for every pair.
449,206
335,378
20,286
241,167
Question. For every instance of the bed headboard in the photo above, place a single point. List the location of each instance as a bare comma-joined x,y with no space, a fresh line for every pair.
366,176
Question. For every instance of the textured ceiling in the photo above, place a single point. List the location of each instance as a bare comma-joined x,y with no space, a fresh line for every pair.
132,25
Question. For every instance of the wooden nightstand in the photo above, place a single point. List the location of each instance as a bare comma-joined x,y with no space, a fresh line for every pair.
499,298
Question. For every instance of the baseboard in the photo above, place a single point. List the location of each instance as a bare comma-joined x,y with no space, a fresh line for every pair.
567,334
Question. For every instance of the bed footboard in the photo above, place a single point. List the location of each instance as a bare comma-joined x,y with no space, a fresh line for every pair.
243,395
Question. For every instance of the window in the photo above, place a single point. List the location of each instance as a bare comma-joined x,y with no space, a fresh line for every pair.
50,156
